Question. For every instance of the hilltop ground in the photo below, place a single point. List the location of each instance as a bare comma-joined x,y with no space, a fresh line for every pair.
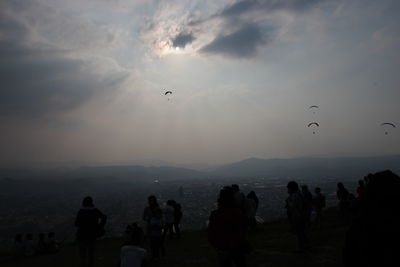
273,244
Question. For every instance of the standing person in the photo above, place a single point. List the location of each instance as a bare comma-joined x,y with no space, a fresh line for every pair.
90,222
343,196
226,230
308,203
361,191
319,203
177,219
240,198
152,215
52,243
132,254
169,219
41,247
252,195
29,247
18,246
251,211
295,212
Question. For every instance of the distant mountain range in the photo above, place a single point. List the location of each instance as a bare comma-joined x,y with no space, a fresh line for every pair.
309,167
252,167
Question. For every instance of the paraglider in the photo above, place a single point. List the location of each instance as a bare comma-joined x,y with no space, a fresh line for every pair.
313,123
313,107
386,124
168,93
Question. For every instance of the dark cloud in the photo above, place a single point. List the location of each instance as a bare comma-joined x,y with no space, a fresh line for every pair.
249,15
38,79
268,6
243,43
182,39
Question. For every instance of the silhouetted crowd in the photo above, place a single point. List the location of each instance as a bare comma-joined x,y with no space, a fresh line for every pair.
26,245
372,239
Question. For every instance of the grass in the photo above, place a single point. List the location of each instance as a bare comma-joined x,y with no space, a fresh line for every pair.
273,244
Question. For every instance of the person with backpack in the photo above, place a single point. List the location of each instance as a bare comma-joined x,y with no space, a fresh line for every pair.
90,222
296,215
319,203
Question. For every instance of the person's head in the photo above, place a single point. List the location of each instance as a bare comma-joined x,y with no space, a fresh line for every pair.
226,197
361,183
87,202
317,190
41,236
292,187
29,236
171,202
152,200
18,237
51,235
235,188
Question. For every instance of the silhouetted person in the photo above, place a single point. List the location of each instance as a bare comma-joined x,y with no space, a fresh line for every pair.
296,214
361,191
152,215
240,198
52,243
177,219
251,210
343,196
41,247
252,195
319,203
373,237
308,203
132,253
169,219
18,245
90,222
226,230
29,246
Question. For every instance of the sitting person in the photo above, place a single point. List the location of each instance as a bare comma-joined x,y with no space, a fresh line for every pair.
132,255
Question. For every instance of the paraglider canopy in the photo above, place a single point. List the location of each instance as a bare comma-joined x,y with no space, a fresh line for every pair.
388,124
313,123
168,92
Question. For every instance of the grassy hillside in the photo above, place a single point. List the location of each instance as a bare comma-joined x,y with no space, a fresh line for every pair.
273,244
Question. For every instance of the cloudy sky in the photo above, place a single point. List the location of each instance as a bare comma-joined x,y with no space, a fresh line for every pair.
84,80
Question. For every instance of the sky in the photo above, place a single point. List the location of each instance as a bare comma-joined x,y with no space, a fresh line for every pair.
84,80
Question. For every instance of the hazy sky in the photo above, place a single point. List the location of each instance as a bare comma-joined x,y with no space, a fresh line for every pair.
84,80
